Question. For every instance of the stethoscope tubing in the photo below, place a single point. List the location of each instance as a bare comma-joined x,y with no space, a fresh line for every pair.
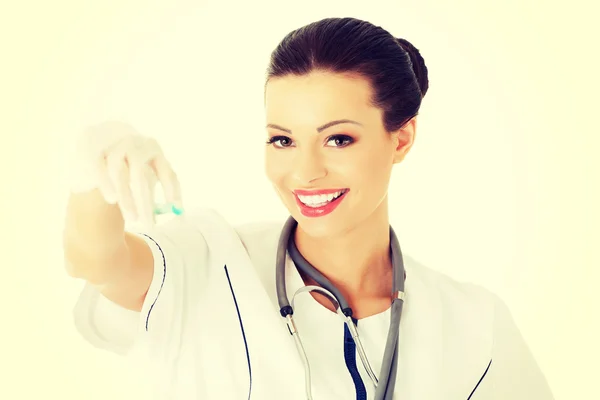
386,382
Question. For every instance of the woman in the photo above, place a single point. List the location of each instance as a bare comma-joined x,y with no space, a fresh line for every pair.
341,101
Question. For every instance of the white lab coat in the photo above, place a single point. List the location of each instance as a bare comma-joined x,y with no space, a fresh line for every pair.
211,327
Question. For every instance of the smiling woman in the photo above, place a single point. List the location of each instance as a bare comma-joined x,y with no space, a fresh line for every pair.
341,102
327,135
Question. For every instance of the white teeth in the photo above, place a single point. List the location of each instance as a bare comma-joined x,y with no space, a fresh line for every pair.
319,200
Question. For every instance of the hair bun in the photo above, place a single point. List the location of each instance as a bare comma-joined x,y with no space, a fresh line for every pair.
418,64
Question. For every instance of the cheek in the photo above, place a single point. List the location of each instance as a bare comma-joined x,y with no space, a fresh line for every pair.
274,169
371,174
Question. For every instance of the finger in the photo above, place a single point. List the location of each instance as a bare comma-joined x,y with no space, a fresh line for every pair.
87,171
104,182
142,178
142,183
168,180
118,171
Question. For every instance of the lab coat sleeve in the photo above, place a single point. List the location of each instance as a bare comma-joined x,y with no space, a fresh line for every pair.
514,373
180,258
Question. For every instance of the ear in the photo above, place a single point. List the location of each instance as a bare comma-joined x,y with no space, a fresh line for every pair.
404,139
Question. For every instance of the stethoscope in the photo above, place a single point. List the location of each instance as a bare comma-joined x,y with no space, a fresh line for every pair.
387,378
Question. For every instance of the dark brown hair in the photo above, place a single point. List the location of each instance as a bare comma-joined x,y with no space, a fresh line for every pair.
394,67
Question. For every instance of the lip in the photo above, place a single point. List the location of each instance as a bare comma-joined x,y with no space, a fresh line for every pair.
328,208
316,192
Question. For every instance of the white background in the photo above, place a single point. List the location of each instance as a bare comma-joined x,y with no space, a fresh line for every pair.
501,187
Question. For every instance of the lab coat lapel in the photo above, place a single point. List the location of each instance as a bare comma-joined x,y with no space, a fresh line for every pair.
421,341
229,253
445,338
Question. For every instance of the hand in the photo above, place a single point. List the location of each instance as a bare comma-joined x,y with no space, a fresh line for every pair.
125,167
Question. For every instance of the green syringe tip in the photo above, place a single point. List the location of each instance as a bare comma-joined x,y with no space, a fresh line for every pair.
176,210
161,209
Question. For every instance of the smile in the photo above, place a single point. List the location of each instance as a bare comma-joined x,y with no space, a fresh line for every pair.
319,203
319,200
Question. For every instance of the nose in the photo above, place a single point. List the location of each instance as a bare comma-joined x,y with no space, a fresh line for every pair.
308,166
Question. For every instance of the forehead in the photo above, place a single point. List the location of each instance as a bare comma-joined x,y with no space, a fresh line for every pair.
318,97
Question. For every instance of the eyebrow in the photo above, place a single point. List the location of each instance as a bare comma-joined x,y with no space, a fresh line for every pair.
320,128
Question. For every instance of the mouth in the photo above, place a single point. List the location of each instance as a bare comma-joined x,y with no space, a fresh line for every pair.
319,203
319,199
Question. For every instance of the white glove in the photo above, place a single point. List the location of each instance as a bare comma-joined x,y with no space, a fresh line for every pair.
125,167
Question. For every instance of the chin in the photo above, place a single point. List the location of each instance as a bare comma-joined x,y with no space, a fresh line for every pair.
321,227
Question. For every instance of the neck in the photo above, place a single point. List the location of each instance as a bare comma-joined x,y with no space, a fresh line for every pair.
357,262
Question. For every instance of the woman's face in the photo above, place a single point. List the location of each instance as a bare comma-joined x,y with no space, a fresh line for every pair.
329,157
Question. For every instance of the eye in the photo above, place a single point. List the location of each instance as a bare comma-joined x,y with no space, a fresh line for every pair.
340,140
283,141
